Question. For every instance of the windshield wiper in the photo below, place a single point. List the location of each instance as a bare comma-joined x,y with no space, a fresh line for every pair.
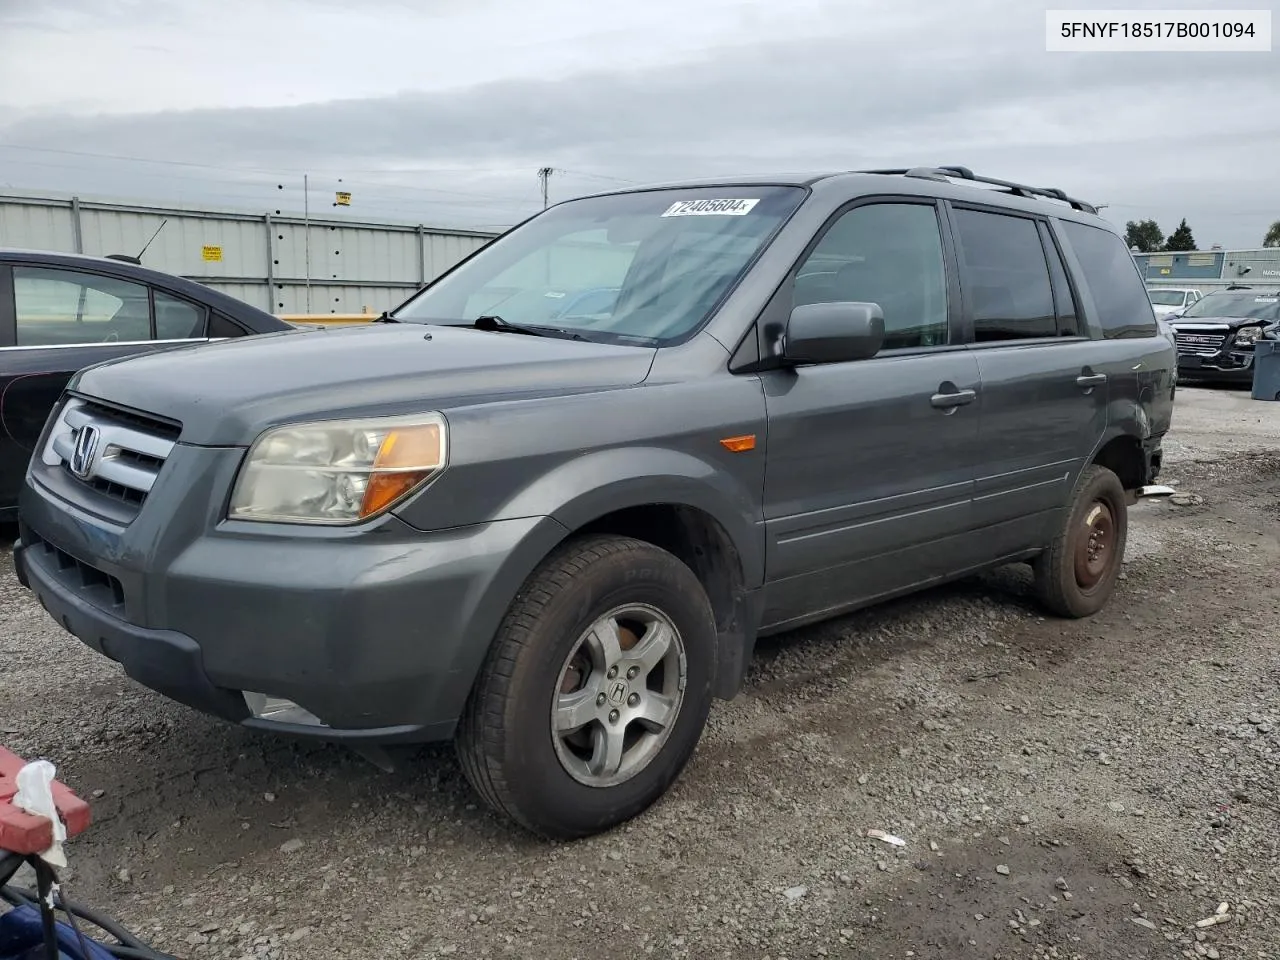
494,323
385,318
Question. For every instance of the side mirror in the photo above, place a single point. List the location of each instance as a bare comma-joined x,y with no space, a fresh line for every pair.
833,333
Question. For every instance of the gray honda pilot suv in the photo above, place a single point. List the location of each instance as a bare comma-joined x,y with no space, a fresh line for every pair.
553,534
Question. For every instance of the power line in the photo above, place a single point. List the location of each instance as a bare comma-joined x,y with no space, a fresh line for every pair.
274,173
598,176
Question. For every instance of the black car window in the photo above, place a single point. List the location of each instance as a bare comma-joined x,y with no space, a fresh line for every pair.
889,254
58,307
1119,293
1006,277
221,327
177,319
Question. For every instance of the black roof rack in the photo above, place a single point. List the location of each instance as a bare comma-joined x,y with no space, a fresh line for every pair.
964,173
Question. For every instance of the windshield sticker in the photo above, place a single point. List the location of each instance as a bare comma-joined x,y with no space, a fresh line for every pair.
710,208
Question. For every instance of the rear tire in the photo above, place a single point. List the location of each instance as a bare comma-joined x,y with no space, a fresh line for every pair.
595,691
1076,576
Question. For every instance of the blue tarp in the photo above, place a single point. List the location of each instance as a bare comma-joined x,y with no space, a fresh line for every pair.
22,938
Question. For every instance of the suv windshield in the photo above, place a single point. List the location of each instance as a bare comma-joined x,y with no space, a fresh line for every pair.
1166,298
1252,305
647,266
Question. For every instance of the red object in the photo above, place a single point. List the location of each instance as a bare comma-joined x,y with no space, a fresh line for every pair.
22,833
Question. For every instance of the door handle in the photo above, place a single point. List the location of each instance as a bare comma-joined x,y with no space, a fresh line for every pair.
1087,380
949,401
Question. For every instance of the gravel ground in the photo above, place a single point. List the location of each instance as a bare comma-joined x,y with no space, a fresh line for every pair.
1065,789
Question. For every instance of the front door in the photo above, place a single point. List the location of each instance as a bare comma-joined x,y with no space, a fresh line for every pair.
870,464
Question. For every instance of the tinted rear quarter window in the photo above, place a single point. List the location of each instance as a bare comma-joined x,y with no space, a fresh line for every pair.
220,326
1124,309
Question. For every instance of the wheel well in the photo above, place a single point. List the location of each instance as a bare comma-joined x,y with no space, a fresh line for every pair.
697,539
1123,457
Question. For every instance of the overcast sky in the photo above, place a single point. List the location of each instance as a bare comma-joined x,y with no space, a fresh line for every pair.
442,111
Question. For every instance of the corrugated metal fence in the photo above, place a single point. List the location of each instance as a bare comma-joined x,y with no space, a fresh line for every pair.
283,264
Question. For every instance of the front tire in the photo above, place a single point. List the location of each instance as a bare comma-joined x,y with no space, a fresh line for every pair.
1076,576
595,691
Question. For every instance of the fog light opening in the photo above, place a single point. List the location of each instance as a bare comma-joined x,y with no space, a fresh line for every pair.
280,710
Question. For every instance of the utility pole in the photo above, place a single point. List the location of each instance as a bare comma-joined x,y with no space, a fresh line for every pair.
544,175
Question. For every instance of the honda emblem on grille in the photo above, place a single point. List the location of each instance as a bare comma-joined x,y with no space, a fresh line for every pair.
86,449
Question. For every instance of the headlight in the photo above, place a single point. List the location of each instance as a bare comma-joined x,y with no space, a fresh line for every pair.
1246,336
338,471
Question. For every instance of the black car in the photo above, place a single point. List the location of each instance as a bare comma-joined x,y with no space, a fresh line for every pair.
61,312
1215,335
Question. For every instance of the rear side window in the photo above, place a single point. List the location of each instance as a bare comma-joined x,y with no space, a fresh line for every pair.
1124,309
220,328
177,319
1006,277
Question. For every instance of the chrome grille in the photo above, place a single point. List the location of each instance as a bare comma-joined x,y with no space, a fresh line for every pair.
1202,343
114,452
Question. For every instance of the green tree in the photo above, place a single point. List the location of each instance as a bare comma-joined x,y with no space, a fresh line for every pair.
1146,235
1272,239
1181,239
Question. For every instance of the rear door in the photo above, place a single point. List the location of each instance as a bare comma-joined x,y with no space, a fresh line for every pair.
55,321
1044,390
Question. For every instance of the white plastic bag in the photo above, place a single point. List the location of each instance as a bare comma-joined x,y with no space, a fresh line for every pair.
35,796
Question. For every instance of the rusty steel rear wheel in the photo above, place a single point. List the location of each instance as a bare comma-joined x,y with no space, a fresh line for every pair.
1076,575
1094,545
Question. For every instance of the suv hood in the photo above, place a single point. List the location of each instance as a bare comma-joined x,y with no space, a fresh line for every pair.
1235,323
226,393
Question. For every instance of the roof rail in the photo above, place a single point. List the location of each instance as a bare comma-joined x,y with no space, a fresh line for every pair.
945,173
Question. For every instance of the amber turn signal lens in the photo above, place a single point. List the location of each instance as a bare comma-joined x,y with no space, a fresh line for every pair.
408,456
739,444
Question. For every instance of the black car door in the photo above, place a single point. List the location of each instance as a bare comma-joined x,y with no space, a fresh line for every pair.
55,321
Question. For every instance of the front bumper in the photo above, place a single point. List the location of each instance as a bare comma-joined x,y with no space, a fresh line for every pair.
379,634
1234,366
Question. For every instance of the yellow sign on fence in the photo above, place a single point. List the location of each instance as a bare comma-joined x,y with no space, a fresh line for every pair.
342,199
212,254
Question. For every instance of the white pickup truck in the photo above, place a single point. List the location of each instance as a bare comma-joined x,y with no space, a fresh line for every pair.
1167,300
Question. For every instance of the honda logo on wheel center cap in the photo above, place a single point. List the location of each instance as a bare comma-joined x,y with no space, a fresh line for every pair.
618,692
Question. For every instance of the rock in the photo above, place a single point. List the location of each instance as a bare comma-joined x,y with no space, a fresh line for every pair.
795,893
269,797
1115,806
1255,720
1002,870
98,794
1186,500
291,846
1212,953
1024,819
1143,922
1060,883
862,780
